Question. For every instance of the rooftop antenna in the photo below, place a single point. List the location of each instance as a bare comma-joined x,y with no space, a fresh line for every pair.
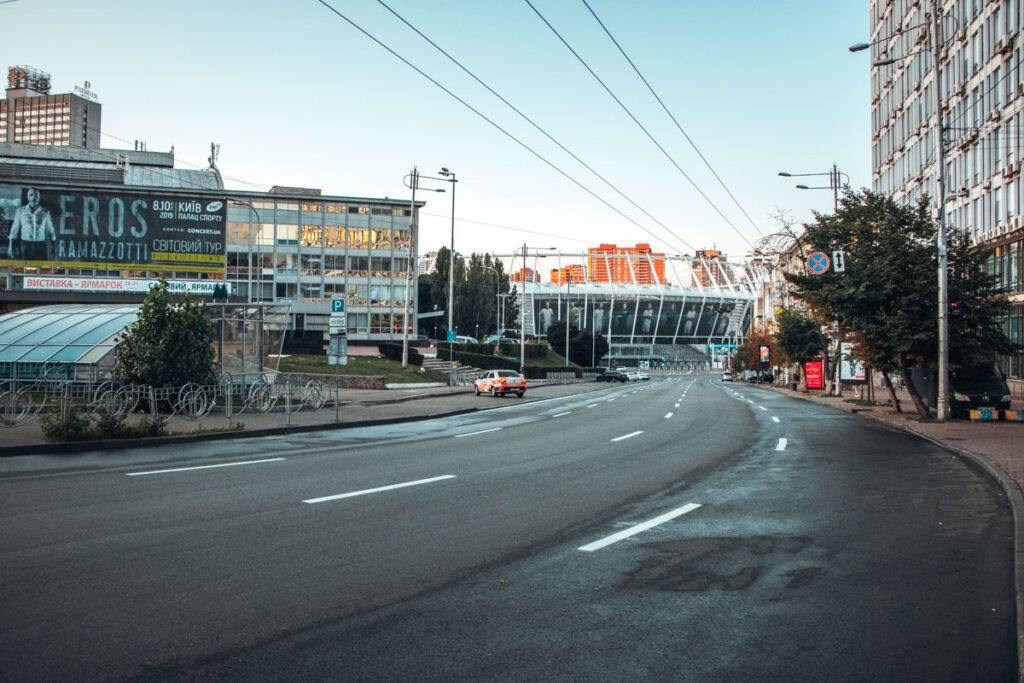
214,153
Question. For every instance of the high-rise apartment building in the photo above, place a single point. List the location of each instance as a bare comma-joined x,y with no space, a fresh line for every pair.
626,265
982,94
574,274
30,115
525,275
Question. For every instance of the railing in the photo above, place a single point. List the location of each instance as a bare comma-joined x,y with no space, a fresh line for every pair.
231,396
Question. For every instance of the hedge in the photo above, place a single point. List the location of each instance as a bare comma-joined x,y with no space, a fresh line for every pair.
394,352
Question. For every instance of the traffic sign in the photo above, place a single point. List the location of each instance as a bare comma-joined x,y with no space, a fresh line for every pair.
451,335
838,261
817,263
337,306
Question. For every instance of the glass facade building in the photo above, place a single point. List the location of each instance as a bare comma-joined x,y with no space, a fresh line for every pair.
982,94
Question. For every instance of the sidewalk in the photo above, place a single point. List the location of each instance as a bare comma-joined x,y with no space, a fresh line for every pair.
356,406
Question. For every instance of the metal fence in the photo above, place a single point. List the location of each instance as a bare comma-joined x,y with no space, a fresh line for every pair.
231,396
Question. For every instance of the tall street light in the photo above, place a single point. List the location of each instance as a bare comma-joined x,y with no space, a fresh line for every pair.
835,181
449,176
522,310
412,181
935,47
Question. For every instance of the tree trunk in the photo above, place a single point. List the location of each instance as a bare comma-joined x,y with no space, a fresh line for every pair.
892,392
919,404
826,368
839,363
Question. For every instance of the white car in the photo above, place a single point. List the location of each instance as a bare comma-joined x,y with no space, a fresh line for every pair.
727,376
465,340
637,376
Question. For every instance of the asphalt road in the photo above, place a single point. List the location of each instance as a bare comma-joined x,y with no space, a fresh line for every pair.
667,530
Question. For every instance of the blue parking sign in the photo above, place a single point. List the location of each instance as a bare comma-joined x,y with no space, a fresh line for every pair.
337,306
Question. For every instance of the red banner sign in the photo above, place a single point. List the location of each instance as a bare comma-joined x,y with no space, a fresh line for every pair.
814,374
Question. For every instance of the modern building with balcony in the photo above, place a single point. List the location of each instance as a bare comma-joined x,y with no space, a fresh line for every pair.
982,93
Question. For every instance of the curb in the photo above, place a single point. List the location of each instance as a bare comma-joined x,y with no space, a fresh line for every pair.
1013,491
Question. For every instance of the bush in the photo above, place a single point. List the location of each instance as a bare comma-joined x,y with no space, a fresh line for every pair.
393,351
78,427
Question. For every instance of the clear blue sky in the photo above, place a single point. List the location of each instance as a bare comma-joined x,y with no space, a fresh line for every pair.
297,97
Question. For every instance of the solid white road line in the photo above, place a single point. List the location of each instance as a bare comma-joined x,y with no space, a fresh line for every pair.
633,530
379,489
774,419
762,408
627,436
781,446
202,467
668,415
561,414
482,431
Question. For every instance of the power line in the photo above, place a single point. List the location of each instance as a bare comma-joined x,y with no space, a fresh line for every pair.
507,227
490,121
671,116
640,125
534,124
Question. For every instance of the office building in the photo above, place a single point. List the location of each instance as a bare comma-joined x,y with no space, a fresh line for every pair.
982,92
30,114
129,218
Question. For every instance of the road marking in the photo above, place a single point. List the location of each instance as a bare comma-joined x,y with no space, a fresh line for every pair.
643,526
749,401
762,408
482,431
561,414
202,467
627,436
610,400
592,405
379,489
668,415
676,405
774,419
781,446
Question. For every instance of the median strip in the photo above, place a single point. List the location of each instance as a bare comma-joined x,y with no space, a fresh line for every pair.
391,487
643,526
201,467
627,436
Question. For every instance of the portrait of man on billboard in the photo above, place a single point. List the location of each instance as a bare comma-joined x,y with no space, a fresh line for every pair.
31,236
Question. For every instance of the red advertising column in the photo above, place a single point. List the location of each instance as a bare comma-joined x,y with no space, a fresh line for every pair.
814,374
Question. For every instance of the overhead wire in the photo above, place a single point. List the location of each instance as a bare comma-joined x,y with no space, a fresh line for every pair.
505,132
626,109
672,116
535,125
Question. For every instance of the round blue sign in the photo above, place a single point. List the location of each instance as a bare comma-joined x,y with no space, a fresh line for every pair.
818,262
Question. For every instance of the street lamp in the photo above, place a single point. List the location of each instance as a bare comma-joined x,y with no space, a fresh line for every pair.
412,181
934,46
497,302
835,181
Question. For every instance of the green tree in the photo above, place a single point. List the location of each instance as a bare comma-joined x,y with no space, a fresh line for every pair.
584,349
171,344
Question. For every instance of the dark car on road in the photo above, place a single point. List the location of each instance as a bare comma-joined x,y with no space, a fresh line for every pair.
613,376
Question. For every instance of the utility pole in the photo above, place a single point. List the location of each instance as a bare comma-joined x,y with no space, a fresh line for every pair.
414,181
522,318
942,404
568,318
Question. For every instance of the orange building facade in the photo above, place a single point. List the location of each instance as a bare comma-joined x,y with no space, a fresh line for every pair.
626,265
525,275
574,274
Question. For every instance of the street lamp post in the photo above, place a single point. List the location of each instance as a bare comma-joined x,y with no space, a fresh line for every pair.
252,210
835,181
448,176
522,312
412,181
497,300
935,45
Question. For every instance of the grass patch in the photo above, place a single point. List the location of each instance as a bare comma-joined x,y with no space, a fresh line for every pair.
374,366
550,360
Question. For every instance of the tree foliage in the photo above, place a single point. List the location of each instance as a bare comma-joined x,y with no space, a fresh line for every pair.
171,344
886,301
477,285
584,348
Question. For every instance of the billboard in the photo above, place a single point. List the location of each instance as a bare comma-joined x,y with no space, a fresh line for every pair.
59,283
764,354
814,374
110,230
850,369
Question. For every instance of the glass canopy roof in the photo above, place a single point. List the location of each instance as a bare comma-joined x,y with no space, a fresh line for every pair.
73,333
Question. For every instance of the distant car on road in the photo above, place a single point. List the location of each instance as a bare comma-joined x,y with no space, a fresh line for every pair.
465,340
638,375
500,382
613,376
727,376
